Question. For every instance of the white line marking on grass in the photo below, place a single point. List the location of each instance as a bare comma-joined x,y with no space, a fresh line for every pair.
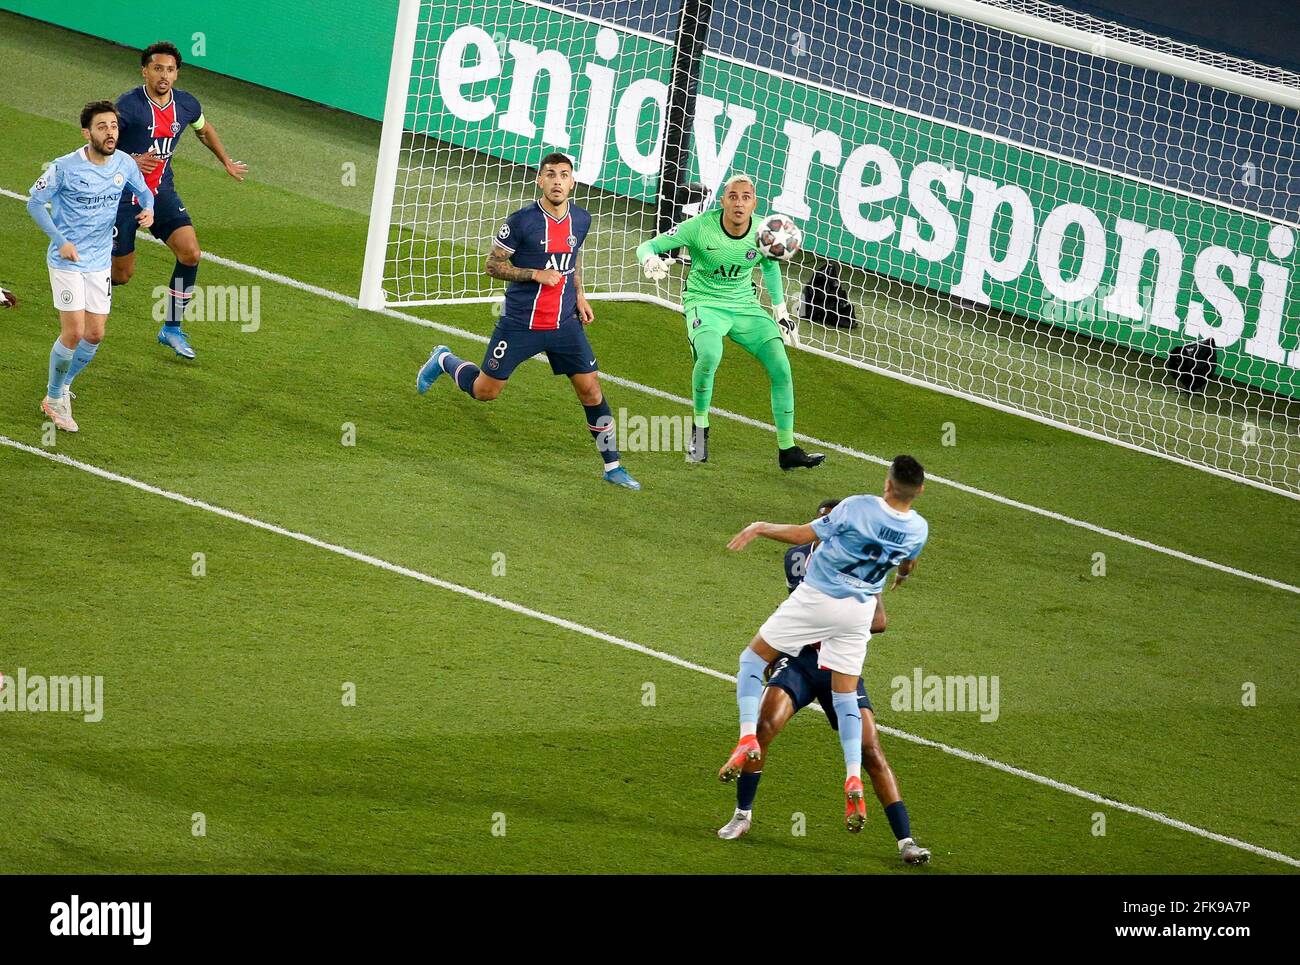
354,555
757,424
621,642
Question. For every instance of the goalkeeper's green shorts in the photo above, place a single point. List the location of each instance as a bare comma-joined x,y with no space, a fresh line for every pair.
749,326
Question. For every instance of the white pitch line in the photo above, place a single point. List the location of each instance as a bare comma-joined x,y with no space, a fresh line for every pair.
757,424
625,644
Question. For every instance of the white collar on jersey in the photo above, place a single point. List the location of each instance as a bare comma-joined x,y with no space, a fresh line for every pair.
892,511
171,97
551,216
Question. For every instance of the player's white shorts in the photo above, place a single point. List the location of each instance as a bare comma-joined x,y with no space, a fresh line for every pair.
77,291
806,616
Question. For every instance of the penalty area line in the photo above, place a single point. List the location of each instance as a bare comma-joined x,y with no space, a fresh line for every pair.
753,423
626,644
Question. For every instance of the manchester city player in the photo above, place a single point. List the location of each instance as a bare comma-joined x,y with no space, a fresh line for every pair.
154,116
862,539
536,251
719,299
795,682
82,189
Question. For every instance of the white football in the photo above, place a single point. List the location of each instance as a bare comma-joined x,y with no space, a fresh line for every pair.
779,237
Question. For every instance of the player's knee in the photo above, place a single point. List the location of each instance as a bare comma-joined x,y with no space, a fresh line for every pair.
589,393
189,256
94,338
122,274
778,370
707,362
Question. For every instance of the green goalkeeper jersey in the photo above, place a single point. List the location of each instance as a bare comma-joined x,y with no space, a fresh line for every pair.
722,266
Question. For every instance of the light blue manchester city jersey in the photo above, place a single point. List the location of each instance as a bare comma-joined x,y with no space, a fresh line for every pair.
83,205
862,539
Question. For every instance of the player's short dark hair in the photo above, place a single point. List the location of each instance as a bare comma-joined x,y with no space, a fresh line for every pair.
826,505
555,157
161,47
907,474
94,109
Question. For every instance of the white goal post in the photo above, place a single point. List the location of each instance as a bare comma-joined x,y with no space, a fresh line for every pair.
1007,201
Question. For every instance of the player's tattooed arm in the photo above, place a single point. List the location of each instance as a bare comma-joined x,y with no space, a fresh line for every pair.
498,266
207,135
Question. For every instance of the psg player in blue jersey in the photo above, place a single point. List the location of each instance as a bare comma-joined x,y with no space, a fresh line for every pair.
795,682
536,252
153,118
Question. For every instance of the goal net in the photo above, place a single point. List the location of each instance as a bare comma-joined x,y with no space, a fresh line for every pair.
1007,201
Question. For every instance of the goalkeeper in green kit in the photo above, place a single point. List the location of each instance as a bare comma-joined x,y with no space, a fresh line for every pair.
720,299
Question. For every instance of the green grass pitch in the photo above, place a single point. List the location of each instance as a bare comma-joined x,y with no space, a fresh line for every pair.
223,693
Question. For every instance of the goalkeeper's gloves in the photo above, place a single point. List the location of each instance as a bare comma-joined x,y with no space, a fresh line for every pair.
789,326
656,269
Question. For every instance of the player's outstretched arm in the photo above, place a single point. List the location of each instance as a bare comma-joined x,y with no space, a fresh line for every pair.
794,534
207,135
648,252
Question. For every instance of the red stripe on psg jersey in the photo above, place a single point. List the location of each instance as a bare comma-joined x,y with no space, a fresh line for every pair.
550,298
164,126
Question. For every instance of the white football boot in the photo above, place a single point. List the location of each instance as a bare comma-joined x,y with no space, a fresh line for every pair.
739,824
60,412
913,853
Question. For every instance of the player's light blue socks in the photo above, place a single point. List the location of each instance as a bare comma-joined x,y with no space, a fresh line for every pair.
849,716
899,822
462,373
60,362
749,690
179,294
80,359
600,422
747,790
